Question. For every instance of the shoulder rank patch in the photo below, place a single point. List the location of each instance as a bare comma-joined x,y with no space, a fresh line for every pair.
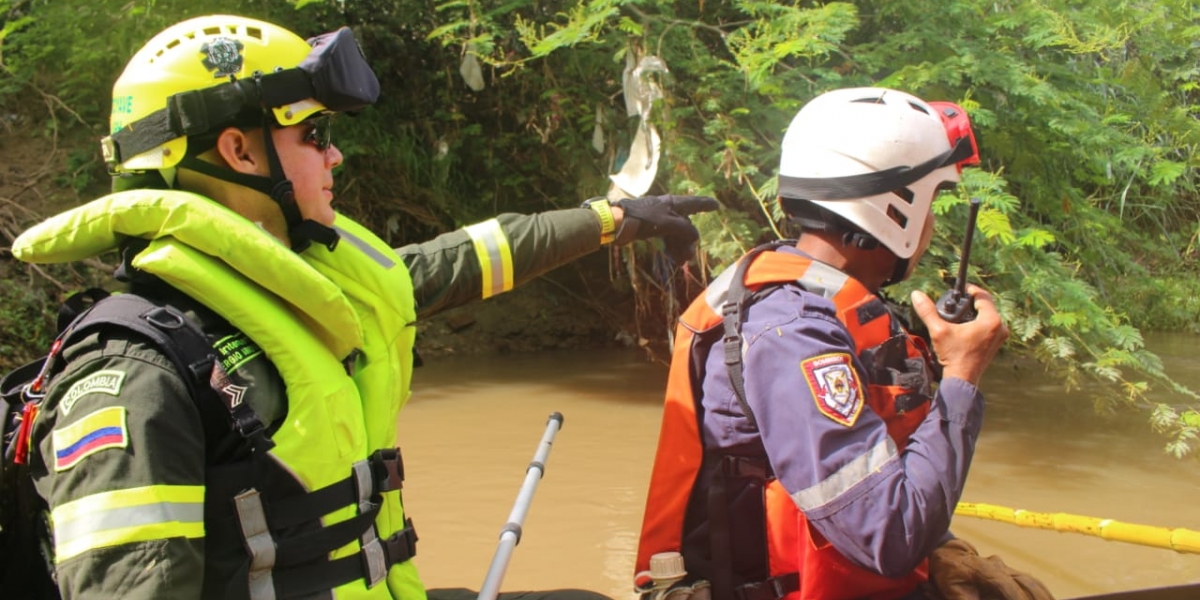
835,386
107,381
92,433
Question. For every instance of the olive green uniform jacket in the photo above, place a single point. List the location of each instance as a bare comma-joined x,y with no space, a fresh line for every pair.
166,438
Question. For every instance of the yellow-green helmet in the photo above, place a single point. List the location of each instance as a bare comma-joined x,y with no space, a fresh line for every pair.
197,54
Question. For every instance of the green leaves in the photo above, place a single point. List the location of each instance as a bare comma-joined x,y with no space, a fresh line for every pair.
1085,114
1165,173
583,23
995,224
780,33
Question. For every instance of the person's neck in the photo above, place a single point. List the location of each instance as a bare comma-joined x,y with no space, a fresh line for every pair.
870,267
255,206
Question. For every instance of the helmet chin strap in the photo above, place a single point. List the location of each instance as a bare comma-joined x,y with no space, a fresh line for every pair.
865,241
302,232
899,272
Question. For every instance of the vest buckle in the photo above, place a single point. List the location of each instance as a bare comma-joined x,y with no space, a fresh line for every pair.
387,468
402,545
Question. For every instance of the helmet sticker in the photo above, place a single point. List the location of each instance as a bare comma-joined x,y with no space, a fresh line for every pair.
223,56
834,386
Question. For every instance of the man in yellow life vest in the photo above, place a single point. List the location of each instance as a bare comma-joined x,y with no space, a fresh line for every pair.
277,476
807,451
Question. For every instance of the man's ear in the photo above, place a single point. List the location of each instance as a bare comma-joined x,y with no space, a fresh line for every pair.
240,150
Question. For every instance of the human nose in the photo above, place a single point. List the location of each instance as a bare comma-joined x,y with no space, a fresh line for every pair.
333,156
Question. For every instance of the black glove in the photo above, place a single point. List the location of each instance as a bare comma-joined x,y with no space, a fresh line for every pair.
665,217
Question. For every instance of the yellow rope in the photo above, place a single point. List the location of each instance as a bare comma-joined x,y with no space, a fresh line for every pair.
1179,540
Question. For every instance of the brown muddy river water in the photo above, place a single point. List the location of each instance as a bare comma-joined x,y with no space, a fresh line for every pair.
474,424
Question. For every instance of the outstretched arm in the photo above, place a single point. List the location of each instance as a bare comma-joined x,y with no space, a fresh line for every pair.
492,257
489,258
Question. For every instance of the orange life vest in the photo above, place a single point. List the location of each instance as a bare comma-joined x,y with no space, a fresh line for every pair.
794,550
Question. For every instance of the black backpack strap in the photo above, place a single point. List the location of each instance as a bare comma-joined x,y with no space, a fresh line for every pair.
188,348
733,468
171,332
736,301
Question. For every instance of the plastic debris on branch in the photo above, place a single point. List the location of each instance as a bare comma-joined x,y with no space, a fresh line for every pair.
641,90
471,71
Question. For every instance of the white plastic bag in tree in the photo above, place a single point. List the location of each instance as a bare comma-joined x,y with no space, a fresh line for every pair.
629,84
638,172
639,86
471,73
598,132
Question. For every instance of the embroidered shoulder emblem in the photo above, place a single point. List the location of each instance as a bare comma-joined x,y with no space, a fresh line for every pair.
107,381
94,432
835,386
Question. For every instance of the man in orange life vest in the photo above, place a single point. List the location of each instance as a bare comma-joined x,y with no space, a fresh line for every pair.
807,451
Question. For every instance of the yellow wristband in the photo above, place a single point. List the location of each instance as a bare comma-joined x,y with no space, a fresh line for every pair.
608,223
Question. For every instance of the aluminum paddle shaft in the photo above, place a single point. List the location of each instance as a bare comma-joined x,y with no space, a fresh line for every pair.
511,534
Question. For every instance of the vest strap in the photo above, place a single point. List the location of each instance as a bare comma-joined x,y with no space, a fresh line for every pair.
259,544
746,468
306,580
770,589
384,470
720,539
316,544
374,559
296,566
245,421
731,320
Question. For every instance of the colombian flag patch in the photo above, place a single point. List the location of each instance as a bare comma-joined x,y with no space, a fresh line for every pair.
94,432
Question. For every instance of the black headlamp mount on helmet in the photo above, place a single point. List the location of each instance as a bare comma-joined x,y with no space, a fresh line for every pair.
334,73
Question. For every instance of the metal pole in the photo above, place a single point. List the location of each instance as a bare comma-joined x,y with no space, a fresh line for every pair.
510,535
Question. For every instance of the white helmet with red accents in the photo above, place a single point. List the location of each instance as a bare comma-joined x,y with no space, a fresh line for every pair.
874,157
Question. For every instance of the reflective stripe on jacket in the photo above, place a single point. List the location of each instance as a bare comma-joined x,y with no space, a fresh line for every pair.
794,551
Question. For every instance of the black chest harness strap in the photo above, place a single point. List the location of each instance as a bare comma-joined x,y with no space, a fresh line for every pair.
292,567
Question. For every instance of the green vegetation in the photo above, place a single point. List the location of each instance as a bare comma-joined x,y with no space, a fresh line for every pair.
1086,115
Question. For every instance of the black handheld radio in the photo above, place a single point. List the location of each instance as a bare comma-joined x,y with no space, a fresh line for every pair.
956,305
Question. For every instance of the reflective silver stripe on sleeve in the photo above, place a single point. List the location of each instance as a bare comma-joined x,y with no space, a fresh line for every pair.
133,516
847,477
366,248
823,279
127,516
495,256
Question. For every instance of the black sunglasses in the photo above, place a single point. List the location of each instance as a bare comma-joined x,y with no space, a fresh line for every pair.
319,132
